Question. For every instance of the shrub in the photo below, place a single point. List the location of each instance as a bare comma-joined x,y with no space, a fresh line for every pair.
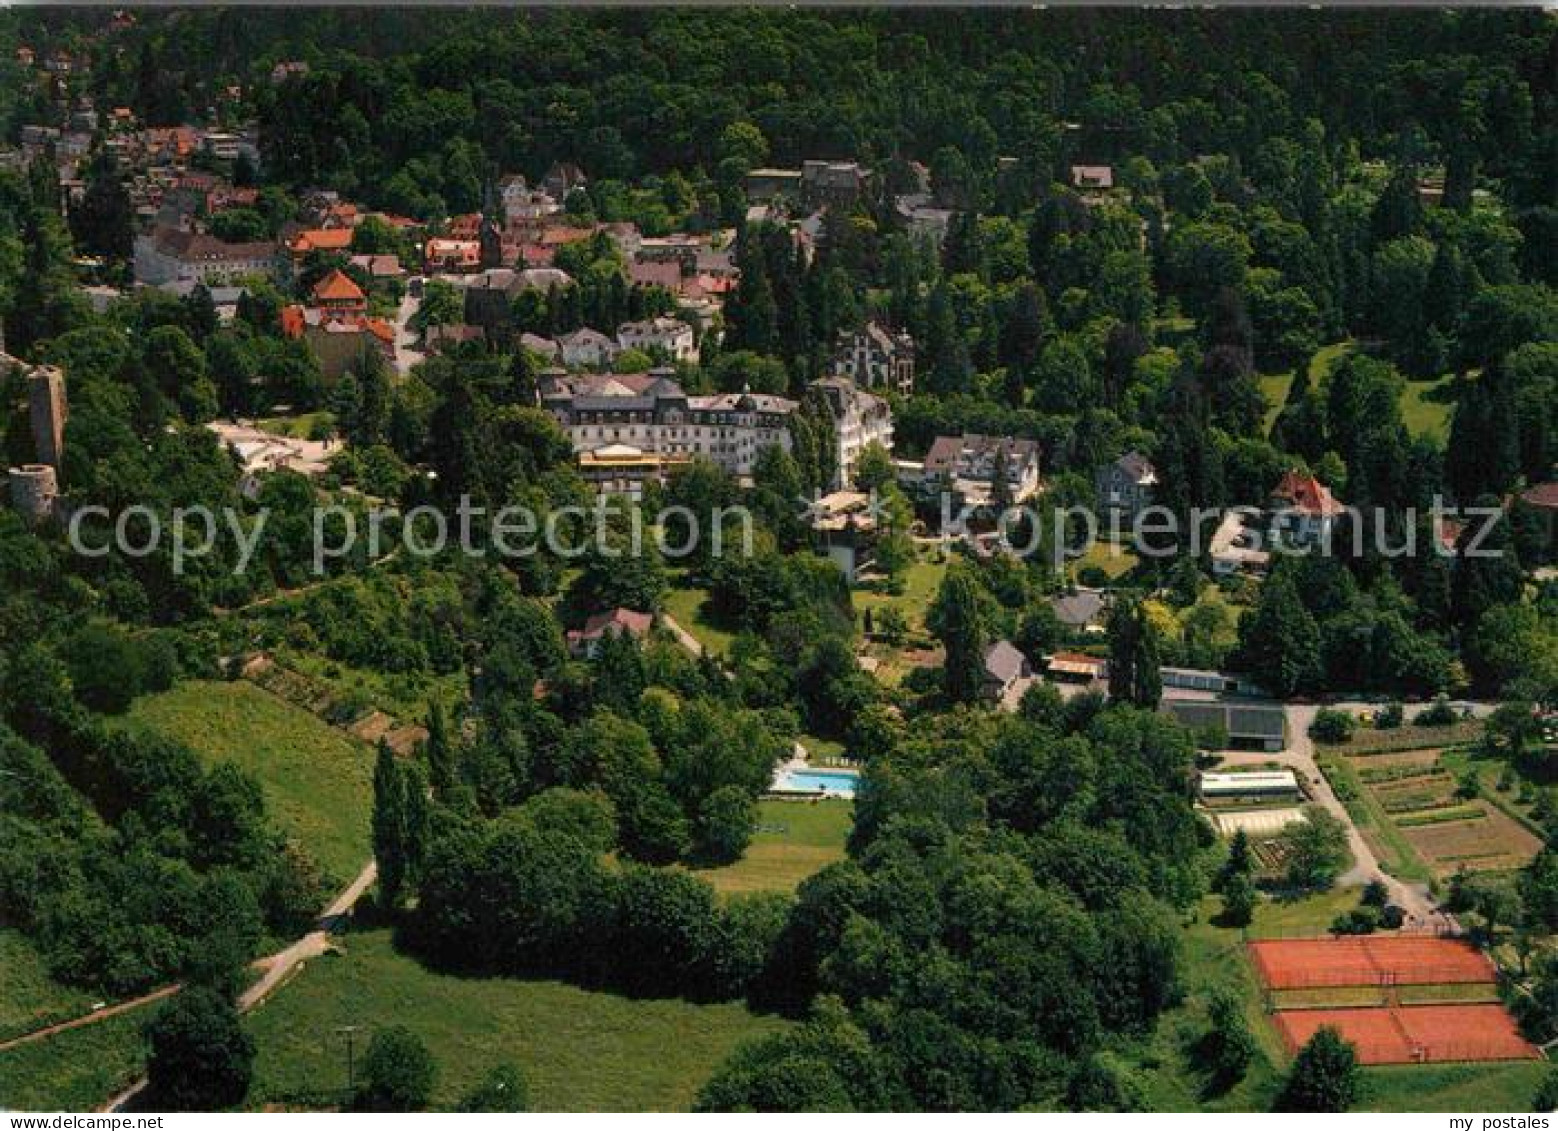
200,1057
1391,917
1324,1075
1094,577
397,1072
1390,717
1441,714
503,1089
1358,921
1332,726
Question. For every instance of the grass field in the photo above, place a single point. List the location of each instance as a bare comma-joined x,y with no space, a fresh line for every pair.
686,606
300,427
1282,918
579,1050
1426,407
1274,386
795,840
77,1070
318,782
1115,560
30,998
1453,1087
920,582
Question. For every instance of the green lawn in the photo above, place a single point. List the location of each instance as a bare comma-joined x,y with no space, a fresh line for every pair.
1508,1086
1114,559
318,781
1426,407
920,582
77,1070
300,427
1274,386
31,999
824,751
1279,918
686,606
1214,958
795,840
579,1050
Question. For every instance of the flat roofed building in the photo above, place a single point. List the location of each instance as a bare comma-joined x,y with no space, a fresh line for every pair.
1255,726
1261,784
1076,667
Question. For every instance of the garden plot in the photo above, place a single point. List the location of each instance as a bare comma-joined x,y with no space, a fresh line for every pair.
1484,839
1447,831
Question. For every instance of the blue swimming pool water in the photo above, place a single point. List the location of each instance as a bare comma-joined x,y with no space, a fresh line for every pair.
810,781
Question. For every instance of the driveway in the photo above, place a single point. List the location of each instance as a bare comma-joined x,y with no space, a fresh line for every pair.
406,352
1414,899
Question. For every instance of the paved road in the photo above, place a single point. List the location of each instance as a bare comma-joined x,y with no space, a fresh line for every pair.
277,968
1300,758
406,353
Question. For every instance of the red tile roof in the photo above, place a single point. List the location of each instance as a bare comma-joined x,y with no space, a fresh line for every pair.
321,239
338,287
1543,496
1307,495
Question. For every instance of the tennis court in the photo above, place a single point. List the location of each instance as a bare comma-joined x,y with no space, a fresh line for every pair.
1414,1034
1365,960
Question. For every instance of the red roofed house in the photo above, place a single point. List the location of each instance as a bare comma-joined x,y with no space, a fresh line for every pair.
453,255
337,292
1542,501
584,642
464,227
1305,508
665,274
318,239
338,339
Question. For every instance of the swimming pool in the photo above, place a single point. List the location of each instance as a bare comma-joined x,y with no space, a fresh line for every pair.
834,783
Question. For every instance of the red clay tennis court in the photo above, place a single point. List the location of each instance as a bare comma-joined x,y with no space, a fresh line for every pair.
1364,960
1414,1034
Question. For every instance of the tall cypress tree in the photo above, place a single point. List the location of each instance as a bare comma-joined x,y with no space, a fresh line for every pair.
1134,675
389,825
439,752
956,621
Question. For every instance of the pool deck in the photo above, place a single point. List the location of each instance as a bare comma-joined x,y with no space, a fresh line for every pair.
799,764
